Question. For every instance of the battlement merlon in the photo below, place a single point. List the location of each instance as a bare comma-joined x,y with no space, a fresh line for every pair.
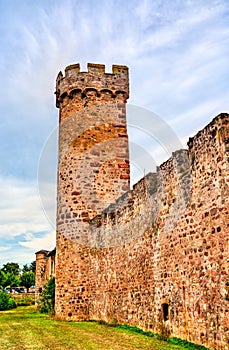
95,78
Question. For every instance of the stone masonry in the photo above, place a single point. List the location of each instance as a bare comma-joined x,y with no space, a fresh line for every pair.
45,269
156,256
93,171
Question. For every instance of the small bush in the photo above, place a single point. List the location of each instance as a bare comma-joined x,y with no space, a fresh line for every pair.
186,344
6,302
165,337
26,301
46,302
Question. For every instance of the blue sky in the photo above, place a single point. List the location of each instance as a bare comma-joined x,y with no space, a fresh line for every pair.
177,52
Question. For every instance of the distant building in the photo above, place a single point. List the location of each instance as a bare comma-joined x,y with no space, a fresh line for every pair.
45,268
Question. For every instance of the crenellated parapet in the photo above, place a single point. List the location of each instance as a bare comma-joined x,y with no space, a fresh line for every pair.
95,83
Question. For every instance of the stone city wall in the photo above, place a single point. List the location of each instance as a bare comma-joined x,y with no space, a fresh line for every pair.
156,256
160,261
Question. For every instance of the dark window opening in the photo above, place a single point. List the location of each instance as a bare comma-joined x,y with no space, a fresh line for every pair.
165,311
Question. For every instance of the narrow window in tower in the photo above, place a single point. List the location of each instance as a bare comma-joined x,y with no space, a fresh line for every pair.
165,311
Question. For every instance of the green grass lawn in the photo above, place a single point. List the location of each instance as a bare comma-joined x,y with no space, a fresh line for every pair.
25,328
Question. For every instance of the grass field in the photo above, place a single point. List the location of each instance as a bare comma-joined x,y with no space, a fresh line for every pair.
25,328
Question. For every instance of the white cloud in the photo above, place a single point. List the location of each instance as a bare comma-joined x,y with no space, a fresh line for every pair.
20,255
24,227
2,249
21,212
178,57
188,123
46,242
177,35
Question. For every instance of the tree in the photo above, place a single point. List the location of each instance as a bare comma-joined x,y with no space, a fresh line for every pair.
11,271
11,280
25,268
12,268
28,279
47,298
32,266
2,278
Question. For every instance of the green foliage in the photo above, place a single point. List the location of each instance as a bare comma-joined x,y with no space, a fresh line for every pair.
186,344
33,266
25,328
25,268
47,299
25,301
2,279
175,341
12,268
9,275
136,330
6,302
11,280
28,279
29,268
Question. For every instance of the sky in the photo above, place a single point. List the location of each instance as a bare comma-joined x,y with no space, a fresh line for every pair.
177,52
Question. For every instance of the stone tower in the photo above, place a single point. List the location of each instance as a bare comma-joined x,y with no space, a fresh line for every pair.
93,171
